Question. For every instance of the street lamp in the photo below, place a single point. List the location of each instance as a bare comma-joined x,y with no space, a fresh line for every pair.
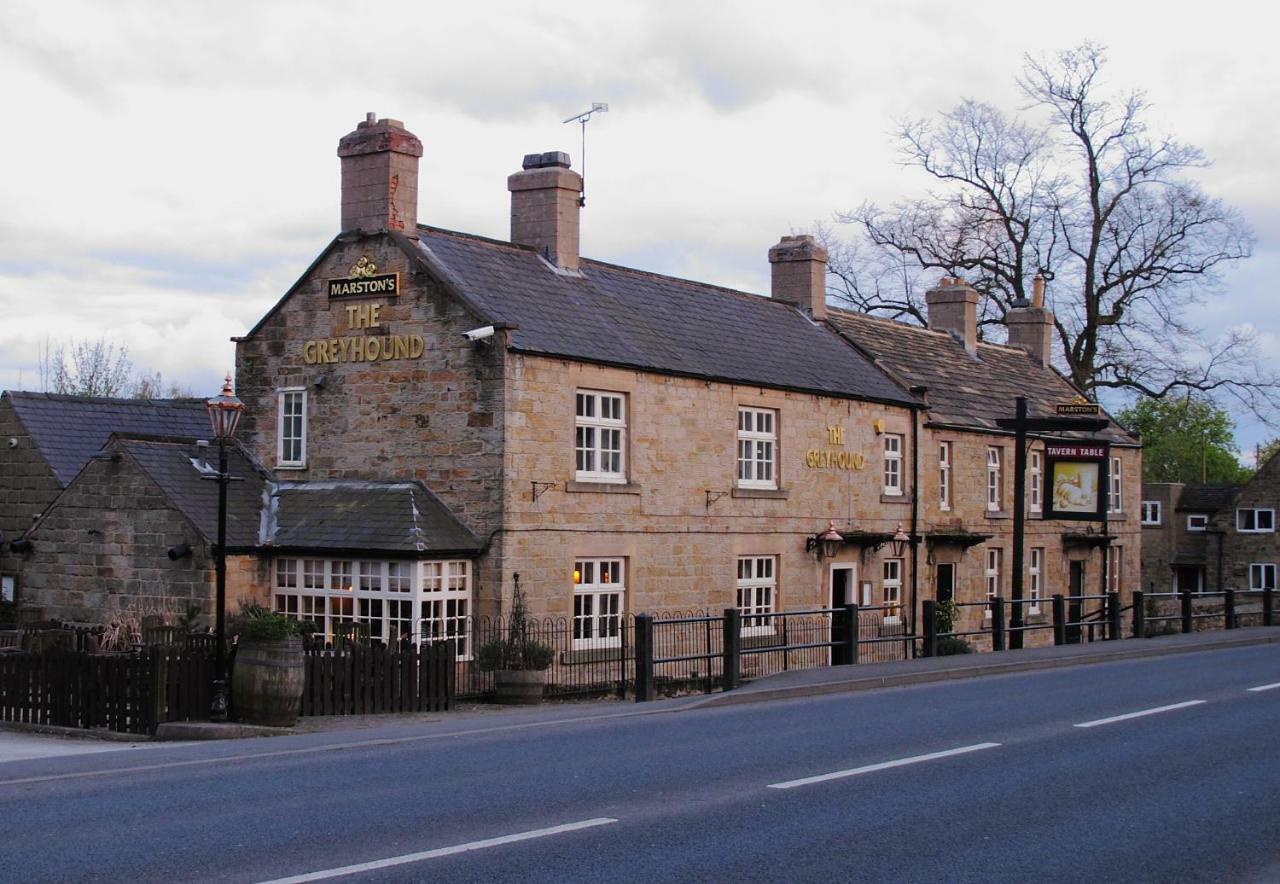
899,542
224,414
831,541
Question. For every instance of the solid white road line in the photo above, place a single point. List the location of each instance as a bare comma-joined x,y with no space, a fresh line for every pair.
884,765
1140,714
442,851
1265,687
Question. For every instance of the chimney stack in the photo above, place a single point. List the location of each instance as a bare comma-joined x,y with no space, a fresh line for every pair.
953,307
544,207
380,177
1031,327
800,274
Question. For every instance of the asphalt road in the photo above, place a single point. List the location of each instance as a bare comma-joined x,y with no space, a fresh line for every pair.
982,780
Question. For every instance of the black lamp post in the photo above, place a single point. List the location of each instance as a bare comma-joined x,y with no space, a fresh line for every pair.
224,414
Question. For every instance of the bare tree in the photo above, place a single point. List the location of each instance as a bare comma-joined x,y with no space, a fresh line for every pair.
1085,194
99,368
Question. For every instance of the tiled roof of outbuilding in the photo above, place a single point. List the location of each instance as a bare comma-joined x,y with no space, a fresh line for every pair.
402,517
67,430
617,316
385,517
1206,498
963,390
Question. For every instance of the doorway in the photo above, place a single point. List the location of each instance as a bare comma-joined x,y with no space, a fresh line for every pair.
1189,578
944,581
1075,605
844,584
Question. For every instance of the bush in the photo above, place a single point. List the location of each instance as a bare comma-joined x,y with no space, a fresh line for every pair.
517,651
950,645
256,623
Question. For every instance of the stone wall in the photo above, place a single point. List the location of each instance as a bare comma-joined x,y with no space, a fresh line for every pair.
1241,549
27,484
437,417
104,544
680,521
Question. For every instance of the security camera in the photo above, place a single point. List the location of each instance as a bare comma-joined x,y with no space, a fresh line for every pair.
181,551
13,441
479,334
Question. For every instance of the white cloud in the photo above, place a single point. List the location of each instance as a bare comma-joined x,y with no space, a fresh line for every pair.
169,168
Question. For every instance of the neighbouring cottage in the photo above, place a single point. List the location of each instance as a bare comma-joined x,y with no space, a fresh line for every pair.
1209,538
433,419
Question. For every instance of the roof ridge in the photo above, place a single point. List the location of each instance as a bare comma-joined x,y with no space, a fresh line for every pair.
608,265
102,400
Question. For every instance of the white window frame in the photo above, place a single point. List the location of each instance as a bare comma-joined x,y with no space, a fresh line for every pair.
591,431
1151,512
757,447
1258,576
1253,515
389,595
1036,483
1035,570
1115,496
757,593
891,589
1115,567
893,464
995,464
944,476
599,602
1197,522
992,562
285,439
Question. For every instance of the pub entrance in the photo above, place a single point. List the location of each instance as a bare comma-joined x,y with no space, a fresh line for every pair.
844,585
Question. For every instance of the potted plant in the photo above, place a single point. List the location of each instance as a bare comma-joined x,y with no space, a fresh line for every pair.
518,662
267,678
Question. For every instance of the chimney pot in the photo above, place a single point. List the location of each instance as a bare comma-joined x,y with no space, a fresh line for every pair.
953,307
380,176
799,273
544,206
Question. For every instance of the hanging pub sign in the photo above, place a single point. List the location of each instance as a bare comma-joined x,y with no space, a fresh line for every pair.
1077,473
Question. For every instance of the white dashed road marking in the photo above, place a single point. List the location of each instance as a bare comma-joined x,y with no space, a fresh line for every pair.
884,765
1140,714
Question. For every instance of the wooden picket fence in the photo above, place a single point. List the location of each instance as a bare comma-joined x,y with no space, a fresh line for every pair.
133,693
361,679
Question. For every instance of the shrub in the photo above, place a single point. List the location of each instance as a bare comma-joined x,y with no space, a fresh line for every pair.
950,645
256,623
516,651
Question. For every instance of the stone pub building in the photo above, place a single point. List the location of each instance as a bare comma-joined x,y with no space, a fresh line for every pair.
434,418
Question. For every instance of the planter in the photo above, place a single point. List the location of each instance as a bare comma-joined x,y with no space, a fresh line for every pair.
266,683
519,687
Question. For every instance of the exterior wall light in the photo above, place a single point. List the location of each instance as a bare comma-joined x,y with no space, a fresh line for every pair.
899,542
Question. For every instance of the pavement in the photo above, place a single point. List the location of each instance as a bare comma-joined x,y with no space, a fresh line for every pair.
18,741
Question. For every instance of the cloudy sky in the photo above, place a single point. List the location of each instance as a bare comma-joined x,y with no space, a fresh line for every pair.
169,167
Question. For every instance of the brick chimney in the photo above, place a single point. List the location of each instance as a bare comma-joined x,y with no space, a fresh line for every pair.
800,274
1031,326
544,207
953,307
380,177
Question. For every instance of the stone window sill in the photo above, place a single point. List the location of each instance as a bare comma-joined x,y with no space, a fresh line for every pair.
764,493
895,498
997,514
602,487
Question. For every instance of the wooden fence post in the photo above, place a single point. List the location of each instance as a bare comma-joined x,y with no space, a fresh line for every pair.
1139,614
732,626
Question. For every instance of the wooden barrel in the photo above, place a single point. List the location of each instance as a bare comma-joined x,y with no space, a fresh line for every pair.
266,683
519,687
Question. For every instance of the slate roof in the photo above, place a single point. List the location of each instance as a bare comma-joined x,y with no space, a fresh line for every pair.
963,390
1206,498
67,430
618,316
385,517
399,517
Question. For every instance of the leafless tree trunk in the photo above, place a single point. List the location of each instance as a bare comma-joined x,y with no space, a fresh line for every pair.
1091,198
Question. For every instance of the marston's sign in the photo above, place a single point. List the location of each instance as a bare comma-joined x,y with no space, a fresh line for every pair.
363,280
1089,409
384,284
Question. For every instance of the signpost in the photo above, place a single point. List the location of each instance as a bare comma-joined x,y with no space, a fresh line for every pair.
1021,425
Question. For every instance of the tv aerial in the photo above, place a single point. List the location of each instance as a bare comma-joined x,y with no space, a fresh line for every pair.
597,107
